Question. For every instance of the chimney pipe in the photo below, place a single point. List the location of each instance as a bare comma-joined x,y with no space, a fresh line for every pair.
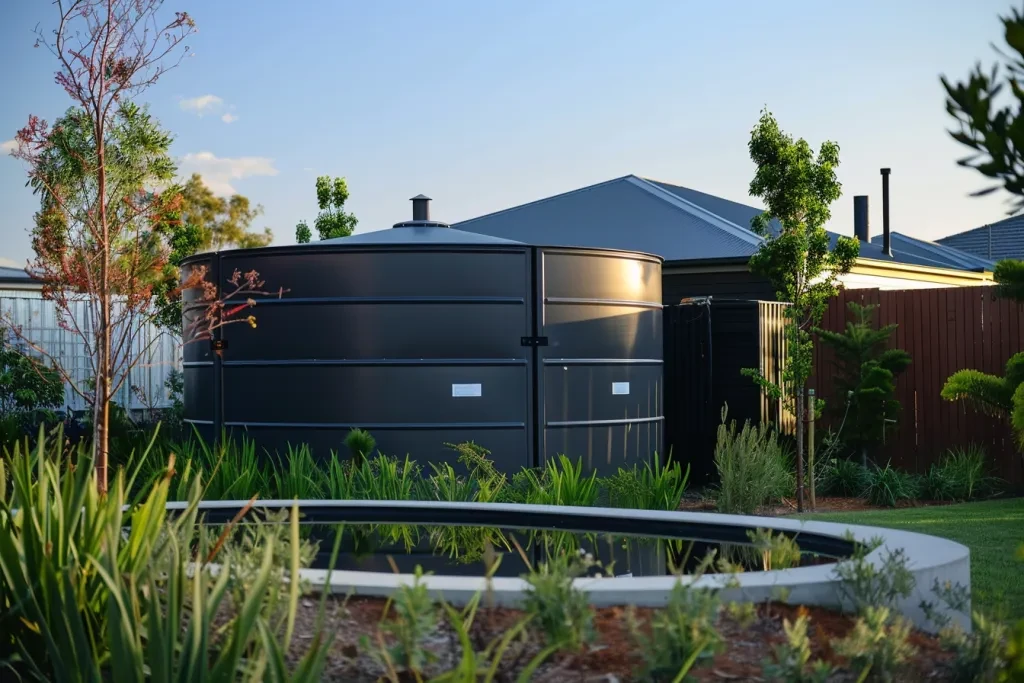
861,227
886,239
421,208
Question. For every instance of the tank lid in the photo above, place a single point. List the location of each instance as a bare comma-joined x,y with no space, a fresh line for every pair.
420,230
425,234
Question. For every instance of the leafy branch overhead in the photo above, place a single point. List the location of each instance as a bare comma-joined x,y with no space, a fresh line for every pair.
332,221
994,131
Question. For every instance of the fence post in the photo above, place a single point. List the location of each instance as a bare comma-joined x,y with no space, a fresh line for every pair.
810,443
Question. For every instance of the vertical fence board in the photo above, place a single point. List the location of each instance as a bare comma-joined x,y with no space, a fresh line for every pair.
944,330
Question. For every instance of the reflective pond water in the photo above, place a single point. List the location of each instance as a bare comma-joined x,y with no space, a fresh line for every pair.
470,550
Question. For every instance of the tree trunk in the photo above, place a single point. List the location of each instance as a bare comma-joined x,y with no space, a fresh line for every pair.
810,446
101,425
800,449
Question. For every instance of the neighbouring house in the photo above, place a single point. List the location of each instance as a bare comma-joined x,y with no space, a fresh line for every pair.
707,242
995,241
22,302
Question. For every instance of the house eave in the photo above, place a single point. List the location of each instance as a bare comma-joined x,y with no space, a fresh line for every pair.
907,271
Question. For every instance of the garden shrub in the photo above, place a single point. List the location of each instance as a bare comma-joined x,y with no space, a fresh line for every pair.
754,467
562,482
792,662
559,609
682,635
360,444
843,477
653,487
888,486
26,383
409,618
961,475
878,646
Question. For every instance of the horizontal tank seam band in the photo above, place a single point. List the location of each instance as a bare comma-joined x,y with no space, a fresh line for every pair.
563,300
197,364
424,362
604,423
603,361
198,422
389,300
378,425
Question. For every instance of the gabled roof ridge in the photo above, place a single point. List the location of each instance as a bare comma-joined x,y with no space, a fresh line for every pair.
706,194
543,200
941,249
748,236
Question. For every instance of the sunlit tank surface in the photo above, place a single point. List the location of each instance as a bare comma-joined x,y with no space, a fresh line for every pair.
428,336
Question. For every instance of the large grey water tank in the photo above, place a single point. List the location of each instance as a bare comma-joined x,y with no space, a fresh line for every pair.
425,335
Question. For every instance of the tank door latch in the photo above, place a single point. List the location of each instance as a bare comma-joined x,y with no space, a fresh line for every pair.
534,341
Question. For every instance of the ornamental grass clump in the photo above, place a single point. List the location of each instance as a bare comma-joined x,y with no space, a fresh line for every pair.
754,467
93,589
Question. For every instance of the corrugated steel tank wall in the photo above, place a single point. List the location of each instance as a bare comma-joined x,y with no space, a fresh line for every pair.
425,345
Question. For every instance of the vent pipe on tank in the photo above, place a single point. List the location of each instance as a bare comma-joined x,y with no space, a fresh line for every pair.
421,208
420,215
886,239
861,227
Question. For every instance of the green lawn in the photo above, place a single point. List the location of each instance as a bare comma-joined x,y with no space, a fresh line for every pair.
992,530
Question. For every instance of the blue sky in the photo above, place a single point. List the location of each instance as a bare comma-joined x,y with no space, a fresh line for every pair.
485,105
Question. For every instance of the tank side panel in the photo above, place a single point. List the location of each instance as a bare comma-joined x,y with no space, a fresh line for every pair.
198,360
601,370
420,348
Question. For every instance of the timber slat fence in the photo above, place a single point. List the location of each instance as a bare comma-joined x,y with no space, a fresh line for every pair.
944,330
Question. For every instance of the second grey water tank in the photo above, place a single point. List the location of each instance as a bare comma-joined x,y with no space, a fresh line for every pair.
425,335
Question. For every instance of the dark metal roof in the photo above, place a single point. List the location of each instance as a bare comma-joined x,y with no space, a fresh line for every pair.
17,275
626,213
678,223
929,253
416,235
995,241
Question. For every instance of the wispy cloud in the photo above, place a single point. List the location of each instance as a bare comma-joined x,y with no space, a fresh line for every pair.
229,118
202,105
10,263
220,172
8,146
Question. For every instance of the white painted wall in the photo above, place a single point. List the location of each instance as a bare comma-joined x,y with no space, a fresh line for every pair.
158,351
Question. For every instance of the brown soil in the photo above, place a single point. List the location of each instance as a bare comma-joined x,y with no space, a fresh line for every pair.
826,504
613,658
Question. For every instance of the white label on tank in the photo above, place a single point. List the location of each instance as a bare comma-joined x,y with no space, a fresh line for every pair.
620,388
467,390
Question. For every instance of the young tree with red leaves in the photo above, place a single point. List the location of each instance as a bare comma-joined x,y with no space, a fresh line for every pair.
102,237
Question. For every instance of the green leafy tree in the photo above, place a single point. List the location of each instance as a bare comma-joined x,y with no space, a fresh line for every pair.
797,256
332,221
99,241
222,222
866,370
302,233
25,382
1002,396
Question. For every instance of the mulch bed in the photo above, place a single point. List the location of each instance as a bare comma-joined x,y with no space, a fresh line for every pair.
613,658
